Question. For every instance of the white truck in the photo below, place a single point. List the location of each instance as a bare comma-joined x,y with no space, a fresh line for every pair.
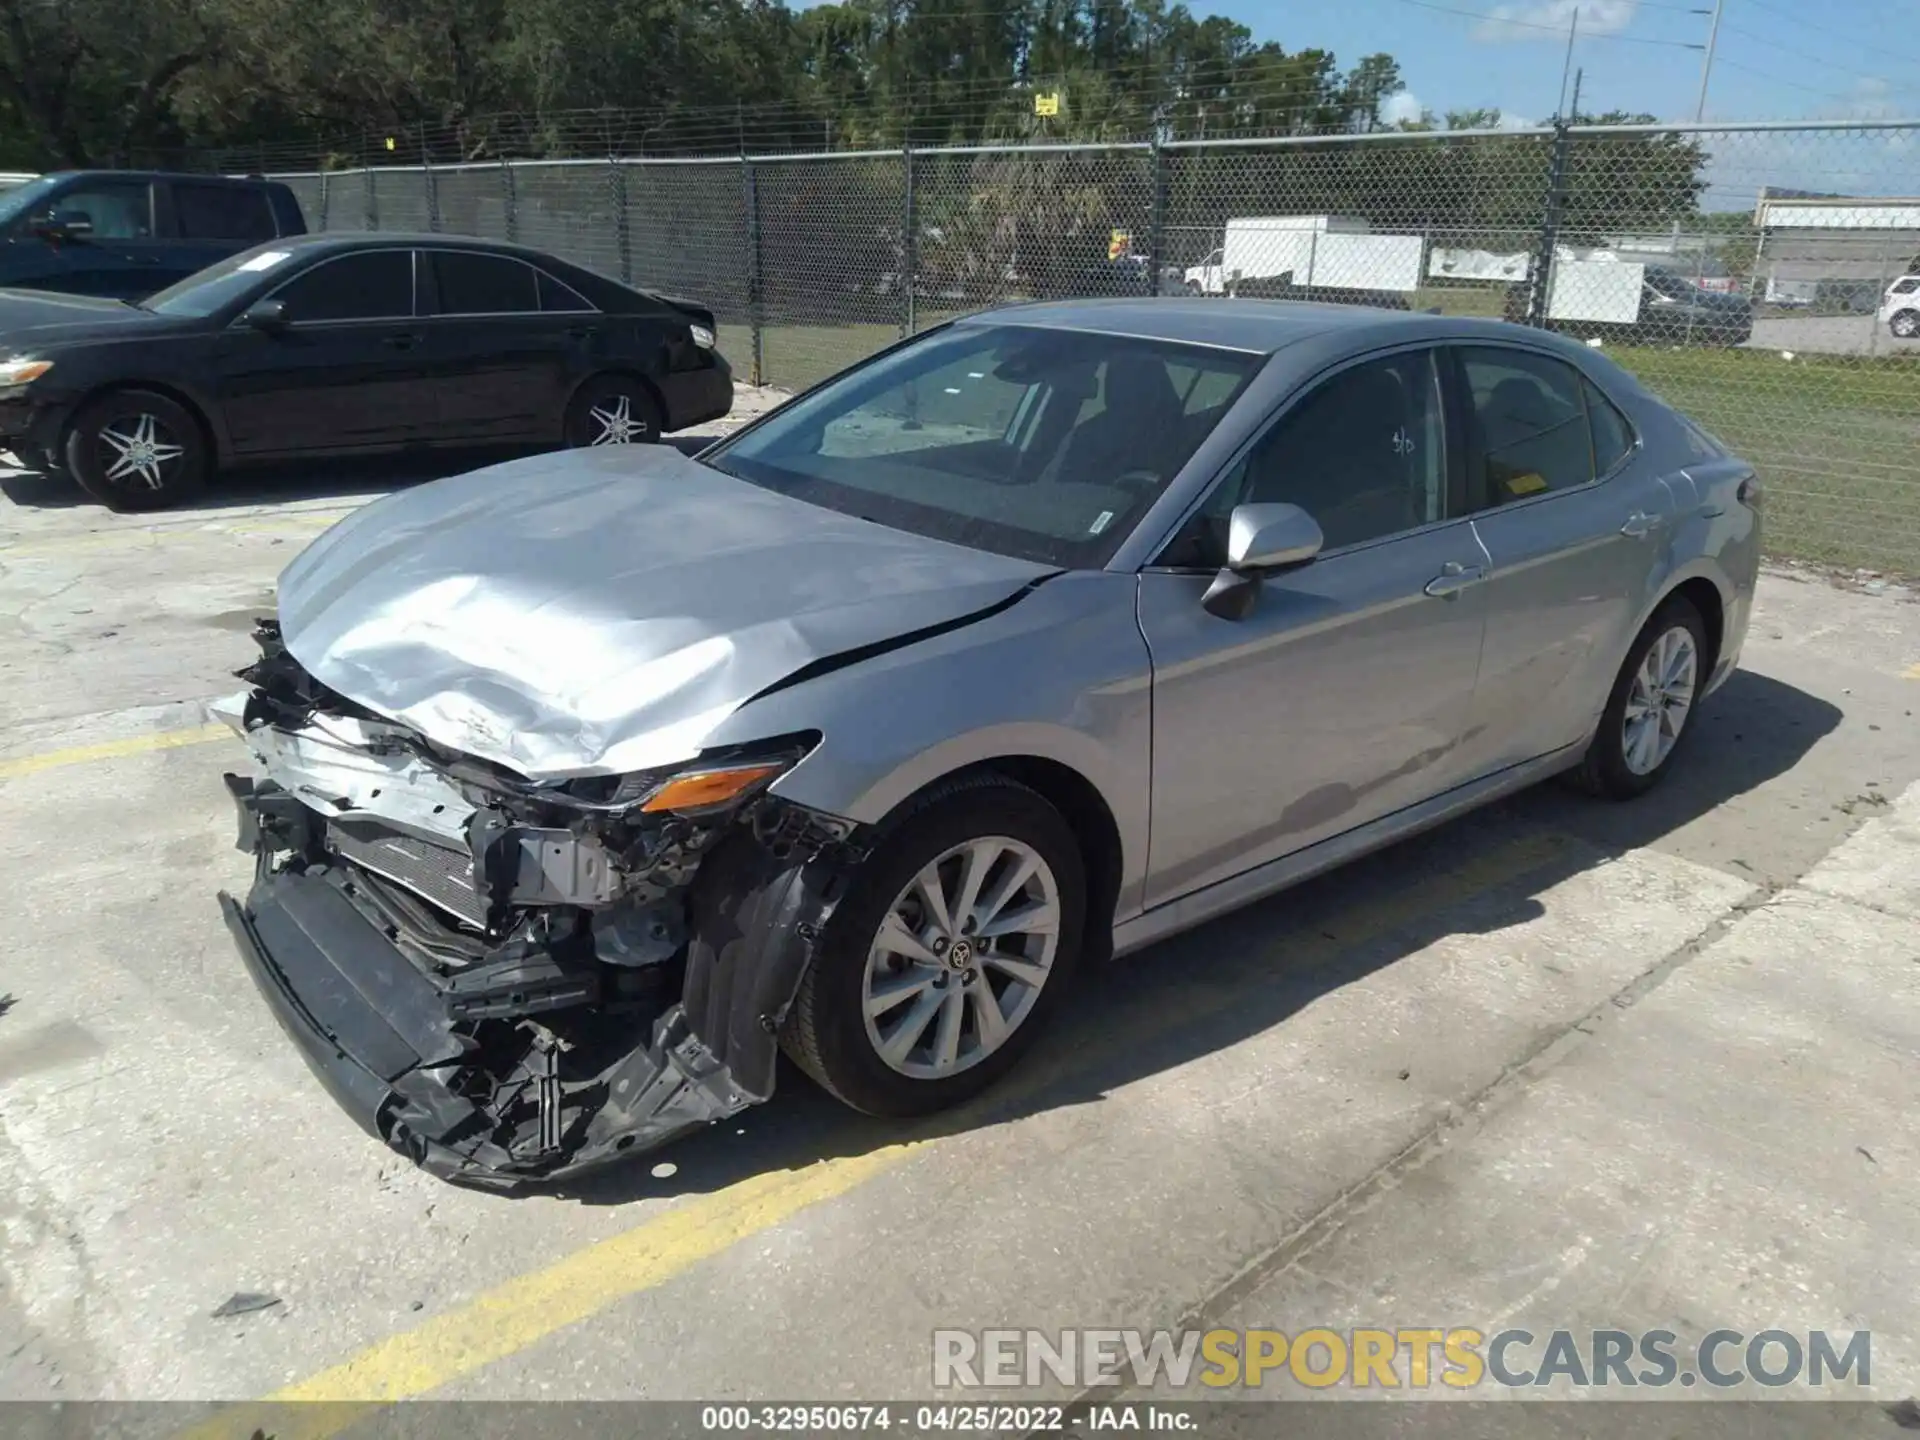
1320,252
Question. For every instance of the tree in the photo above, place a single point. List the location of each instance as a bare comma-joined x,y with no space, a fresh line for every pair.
85,81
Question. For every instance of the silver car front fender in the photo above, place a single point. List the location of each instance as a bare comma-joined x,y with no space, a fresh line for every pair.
1063,676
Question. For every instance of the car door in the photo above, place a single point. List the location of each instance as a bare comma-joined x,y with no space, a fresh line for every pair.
210,221
1574,520
501,362
116,259
1343,696
343,374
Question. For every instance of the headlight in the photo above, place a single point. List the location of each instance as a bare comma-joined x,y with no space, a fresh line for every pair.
702,336
20,370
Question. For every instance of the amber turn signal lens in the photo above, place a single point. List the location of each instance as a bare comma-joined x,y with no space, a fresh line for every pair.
709,787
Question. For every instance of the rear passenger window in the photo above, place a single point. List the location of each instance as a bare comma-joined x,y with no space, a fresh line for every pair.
475,284
222,212
557,298
1612,436
1530,433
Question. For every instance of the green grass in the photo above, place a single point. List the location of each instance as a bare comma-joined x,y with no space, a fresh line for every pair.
1836,438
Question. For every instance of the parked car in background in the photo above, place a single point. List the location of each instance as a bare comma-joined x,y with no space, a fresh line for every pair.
346,344
582,785
127,233
1604,299
1900,307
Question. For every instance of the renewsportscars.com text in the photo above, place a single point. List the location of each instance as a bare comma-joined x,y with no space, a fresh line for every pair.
1461,1358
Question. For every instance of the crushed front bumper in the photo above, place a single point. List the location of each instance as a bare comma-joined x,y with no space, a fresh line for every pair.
473,1087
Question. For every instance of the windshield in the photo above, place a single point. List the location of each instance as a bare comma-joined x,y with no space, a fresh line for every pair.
205,291
1674,287
25,198
1048,445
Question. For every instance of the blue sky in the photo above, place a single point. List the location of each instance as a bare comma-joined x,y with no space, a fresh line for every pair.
1777,59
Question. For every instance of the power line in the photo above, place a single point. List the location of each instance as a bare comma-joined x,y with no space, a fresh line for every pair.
1550,29
1800,54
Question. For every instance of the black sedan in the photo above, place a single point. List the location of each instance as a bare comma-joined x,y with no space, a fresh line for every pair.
331,345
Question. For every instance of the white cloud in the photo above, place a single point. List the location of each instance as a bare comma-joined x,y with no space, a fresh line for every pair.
1872,100
1401,107
1545,19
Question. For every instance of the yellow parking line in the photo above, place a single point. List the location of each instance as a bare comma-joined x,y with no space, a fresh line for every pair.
515,1315
1912,672
111,750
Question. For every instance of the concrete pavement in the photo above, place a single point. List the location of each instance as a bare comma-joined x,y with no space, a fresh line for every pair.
1233,1124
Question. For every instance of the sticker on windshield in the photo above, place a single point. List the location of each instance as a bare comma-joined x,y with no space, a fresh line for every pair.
266,260
1104,519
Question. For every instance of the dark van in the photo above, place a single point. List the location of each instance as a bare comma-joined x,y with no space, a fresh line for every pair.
124,234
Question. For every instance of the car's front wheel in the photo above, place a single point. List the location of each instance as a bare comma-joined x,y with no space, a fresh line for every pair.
137,450
1649,711
613,410
1906,324
957,940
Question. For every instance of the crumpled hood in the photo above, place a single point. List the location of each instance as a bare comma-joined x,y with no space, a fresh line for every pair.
602,611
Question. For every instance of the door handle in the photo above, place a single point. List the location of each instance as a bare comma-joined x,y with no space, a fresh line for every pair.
583,332
400,342
1455,577
1640,523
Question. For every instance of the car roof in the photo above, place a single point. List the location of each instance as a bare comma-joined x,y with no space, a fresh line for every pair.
1261,327
378,239
194,175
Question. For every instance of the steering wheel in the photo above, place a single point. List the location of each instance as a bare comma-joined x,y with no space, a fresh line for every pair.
1144,480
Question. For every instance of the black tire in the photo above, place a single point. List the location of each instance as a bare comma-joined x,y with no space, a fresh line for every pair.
108,432
608,406
1605,770
1905,324
826,1033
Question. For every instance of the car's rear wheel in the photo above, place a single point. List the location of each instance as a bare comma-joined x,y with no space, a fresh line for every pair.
1650,709
940,968
1905,324
137,450
613,410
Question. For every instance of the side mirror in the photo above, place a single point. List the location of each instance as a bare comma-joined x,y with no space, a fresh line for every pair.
65,225
269,316
1261,539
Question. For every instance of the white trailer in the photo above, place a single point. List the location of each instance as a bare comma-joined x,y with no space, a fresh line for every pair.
1327,252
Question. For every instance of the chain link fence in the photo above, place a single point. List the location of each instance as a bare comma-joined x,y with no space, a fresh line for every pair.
1765,278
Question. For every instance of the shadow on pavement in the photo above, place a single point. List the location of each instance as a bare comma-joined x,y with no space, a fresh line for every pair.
1245,973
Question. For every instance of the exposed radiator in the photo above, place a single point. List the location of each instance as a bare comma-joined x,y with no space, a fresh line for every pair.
435,873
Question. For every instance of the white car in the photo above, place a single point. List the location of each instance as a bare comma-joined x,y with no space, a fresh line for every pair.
1900,307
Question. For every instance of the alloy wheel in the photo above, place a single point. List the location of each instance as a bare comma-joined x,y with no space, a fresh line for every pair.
961,957
1660,700
617,423
140,449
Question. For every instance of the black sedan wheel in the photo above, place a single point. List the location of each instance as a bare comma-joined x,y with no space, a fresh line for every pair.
941,966
137,450
613,410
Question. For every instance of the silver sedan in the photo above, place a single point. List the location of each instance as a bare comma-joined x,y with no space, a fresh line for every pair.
583,785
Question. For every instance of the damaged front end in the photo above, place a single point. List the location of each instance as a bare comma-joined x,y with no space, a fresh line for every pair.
508,981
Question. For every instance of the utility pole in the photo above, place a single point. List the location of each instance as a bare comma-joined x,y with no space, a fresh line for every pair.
1573,30
1706,69
1573,111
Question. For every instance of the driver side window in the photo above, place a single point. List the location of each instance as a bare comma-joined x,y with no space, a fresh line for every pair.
1363,453
119,209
